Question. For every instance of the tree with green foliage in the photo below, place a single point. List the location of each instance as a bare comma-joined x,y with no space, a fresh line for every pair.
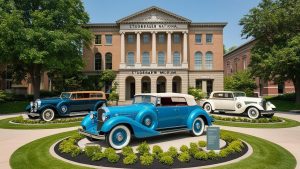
38,36
275,24
197,93
107,77
240,81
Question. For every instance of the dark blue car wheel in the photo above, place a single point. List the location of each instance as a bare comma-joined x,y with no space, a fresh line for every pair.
118,137
198,126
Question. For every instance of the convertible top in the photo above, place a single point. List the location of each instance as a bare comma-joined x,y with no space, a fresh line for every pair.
189,98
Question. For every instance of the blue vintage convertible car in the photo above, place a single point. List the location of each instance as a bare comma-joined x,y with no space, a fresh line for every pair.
68,104
149,115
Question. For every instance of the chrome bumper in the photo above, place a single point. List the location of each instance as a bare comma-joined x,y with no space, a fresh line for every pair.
267,112
81,131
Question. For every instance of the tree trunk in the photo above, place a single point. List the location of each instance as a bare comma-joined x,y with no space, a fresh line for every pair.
35,75
297,89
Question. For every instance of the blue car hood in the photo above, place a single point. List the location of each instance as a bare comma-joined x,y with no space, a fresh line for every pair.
51,100
128,110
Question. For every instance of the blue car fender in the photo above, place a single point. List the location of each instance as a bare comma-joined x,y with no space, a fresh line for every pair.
147,114
139,130
62,108
47,106
194,114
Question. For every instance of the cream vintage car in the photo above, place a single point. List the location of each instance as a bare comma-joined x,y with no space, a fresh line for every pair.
237,102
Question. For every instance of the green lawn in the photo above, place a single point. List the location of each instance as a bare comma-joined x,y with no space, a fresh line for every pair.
265,155
283,105
288,123
13,107
4,123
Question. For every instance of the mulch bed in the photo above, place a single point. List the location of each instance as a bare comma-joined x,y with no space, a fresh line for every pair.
82,158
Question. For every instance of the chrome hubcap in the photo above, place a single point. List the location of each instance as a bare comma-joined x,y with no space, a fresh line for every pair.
119,137
198,126
147,122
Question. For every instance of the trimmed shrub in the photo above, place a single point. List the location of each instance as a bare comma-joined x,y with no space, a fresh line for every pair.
146,159
224,153
91,150
202,143
108,151
193,145
184,148
172,151
237,145
130,159
98,156
212,155
156,151
127,151
166,159
143,148
75,151
227,137
201,155
184,157
113,157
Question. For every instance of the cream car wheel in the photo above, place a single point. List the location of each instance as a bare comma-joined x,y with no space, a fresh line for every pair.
253,113
48,115
207,107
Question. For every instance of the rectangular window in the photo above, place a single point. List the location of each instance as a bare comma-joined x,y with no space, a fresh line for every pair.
146,38
245,63
176,38
108,39
209,38
199,84
130,38
97,39
161,38
198,38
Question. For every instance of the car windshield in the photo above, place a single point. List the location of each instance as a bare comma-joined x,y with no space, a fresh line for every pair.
65,95
239,94
144,99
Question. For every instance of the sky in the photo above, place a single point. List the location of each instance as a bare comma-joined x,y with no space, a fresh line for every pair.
230,11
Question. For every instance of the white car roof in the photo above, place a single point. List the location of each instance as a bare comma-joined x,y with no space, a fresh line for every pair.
189,98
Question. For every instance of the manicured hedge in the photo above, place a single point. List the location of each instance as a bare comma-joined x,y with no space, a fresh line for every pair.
274,119
21,120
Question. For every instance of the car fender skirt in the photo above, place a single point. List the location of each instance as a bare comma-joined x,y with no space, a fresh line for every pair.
141,116
139,130
194,114
260,108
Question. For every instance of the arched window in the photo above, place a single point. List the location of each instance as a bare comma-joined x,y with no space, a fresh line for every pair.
145,59
198,61
98,62
176,59
108,61
161,58
209,60
130,59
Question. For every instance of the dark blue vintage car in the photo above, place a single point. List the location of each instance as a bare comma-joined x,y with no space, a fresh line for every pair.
149,115
68,104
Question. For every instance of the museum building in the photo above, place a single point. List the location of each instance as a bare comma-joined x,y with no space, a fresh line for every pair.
157,51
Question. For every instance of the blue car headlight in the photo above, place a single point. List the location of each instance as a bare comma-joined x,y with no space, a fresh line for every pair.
92,115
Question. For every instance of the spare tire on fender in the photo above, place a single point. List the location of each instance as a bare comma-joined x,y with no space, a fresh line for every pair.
148,119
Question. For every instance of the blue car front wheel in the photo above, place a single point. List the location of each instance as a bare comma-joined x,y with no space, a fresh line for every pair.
118,137
198,126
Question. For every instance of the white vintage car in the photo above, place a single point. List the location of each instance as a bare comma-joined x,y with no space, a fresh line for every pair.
237,102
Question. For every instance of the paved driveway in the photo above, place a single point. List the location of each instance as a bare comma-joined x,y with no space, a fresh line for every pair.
11,140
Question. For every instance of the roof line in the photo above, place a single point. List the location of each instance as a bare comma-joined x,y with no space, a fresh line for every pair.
150,8
244,44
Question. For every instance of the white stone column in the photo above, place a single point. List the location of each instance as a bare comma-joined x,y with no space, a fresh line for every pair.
153,84
169,48
153,47
185,47
138,47
122,47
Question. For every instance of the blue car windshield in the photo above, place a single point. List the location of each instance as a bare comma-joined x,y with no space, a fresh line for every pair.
144,99
65,95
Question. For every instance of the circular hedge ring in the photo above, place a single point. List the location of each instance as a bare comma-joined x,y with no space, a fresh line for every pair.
48,115
198,126
118,137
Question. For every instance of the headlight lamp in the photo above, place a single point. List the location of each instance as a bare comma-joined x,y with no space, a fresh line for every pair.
92,115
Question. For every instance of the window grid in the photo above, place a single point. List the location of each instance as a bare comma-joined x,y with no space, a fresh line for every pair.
176,38
176,59
209,60
161,58
97,61
108,39
209,38
198,38
130,38
198,61
130,59
146,38
161,38
108,61
145,59
97,39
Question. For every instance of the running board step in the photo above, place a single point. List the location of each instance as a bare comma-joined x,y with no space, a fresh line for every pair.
78,113
174,131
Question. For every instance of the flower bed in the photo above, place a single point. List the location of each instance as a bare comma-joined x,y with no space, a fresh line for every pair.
274,119
191,155
21,120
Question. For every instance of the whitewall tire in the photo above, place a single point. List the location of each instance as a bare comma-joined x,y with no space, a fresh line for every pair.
253,113
208,108
198,126
48,115
118,137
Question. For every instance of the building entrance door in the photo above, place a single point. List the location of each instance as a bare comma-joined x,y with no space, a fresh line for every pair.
161,84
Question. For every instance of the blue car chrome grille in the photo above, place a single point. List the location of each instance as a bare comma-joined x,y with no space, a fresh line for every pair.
99,117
